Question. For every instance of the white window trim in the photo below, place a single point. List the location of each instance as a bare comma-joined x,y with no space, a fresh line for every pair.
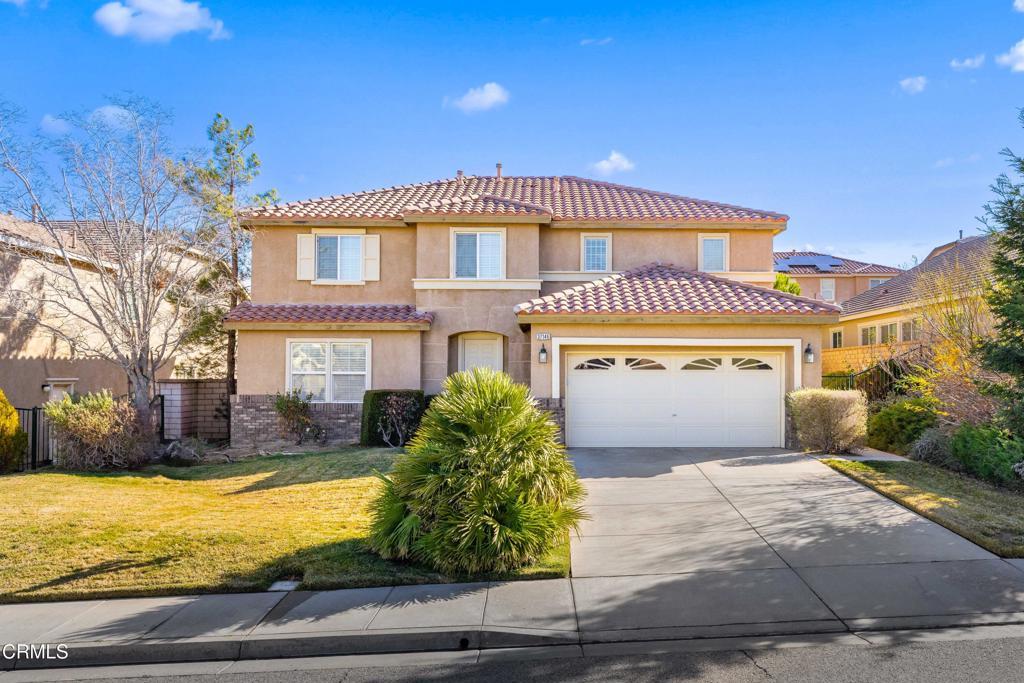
701,236
362,258
899,327
860,335
584,236
821,289
879,280
831,341
499,347
476,231
895,337
327,340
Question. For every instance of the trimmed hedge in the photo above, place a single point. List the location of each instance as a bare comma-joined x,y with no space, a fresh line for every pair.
369,432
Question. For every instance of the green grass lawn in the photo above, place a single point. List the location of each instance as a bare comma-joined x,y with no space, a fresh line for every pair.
990,516
229,527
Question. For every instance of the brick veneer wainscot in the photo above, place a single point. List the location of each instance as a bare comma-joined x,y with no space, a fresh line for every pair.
254,422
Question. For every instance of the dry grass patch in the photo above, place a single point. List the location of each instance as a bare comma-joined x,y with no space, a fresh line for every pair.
231,527
990,516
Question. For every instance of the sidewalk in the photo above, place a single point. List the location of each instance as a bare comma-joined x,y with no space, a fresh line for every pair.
303,623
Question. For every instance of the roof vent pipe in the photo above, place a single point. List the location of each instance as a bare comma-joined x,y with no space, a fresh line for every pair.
460,178
497,168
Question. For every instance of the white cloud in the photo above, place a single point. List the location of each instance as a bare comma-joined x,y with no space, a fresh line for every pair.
1014,59
914,85
944,162
966,63
1018,5
616,162
16,3
597,41
158,20
53,125
111,115
487,96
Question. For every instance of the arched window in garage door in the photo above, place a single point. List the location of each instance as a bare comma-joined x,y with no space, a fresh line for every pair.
750,364
643,364
703,364
596,364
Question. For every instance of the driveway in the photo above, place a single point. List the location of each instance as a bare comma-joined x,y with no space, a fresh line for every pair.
695,542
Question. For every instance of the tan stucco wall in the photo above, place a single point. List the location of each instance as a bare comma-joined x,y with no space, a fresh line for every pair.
749,250
433,248
459,311
540,374
847,286
22,378
262,358
851,328
273,269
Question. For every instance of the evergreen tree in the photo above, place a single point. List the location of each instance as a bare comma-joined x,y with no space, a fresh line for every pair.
1004,351
785,283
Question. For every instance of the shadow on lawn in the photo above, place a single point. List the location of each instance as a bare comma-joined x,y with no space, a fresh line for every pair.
108,567
280,470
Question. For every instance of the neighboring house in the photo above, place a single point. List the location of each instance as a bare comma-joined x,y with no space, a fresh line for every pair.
639,318
886,320
831,278
36,365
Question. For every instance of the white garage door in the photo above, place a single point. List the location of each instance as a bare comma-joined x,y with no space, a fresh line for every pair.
710,399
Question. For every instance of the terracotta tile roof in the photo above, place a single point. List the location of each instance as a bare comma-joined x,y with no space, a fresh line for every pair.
969,256
665,289
327,313
841,266
563,198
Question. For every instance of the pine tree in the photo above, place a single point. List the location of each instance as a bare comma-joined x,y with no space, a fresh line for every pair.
1004,351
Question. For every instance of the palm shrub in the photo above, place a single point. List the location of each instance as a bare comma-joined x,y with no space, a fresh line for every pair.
13,439
484,486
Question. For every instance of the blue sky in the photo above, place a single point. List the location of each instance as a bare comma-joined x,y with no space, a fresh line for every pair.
848,116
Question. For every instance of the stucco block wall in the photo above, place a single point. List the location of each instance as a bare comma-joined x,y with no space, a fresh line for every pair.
273,269
195,408
540,374
262,358
459,311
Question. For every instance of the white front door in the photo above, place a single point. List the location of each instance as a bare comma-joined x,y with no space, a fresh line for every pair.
480,352
709,399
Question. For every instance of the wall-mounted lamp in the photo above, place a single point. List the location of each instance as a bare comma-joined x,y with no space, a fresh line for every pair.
46,388
542,355
808,354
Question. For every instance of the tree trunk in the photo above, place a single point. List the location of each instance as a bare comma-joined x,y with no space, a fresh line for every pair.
141,398
232,335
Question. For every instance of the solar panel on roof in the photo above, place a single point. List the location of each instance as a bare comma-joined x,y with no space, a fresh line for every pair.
821,262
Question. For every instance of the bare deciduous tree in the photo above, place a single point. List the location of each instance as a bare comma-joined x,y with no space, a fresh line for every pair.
124,262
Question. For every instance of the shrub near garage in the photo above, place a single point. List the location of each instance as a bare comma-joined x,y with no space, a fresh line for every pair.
898,424
827,420
390,416
485,485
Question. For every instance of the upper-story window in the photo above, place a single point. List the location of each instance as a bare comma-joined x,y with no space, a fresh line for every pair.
828,288
713,253
596,253
339,257
911,330
875,281
478,254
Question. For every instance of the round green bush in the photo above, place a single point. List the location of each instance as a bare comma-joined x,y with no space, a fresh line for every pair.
897,425
988,452
484,486
13,439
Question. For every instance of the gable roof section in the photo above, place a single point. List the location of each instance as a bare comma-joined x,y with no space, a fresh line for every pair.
844,266
970,255
664,289
551,198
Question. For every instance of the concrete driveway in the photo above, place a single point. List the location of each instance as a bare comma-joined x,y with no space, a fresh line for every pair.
701,542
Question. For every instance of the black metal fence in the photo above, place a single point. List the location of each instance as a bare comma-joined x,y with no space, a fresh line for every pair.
41,448
880,379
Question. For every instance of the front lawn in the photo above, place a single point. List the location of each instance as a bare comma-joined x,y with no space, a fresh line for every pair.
987,515
214,528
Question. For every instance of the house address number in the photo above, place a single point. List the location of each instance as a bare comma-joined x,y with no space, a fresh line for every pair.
543,336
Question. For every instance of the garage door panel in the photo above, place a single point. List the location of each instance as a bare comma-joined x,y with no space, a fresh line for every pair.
730,399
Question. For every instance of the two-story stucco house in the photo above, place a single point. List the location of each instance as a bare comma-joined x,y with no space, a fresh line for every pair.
638,317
